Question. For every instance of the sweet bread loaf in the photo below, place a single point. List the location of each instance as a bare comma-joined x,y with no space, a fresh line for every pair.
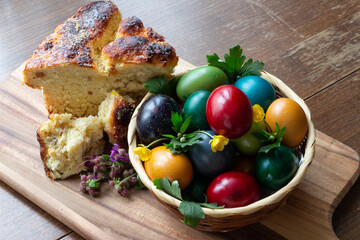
115,112
93,53
65,141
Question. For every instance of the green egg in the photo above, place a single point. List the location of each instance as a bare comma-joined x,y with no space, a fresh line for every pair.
201,78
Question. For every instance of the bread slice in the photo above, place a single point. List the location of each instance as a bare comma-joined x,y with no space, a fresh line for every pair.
93,53
64,141
115,112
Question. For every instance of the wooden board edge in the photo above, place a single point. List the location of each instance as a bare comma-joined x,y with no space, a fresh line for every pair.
51,206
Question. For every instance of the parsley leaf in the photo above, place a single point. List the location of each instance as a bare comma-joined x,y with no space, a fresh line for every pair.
276,138
160,85
185,125
251,68
177,121
179,145
173,189
168,136
211,205
234,66
192,213
181,142
172,84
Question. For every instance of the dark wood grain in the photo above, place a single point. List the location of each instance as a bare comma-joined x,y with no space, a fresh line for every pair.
336,109
312,45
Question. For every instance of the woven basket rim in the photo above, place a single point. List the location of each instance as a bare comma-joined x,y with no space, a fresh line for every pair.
256,206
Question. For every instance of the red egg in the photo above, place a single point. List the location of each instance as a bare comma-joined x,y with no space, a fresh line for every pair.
229,112
233,189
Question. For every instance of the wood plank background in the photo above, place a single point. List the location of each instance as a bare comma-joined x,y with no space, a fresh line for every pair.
318,42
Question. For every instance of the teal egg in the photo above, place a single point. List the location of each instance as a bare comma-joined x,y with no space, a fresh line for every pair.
258,90
195,107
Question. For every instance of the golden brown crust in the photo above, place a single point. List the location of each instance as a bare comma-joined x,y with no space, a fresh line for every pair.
119,121
71,41
43,152
134,44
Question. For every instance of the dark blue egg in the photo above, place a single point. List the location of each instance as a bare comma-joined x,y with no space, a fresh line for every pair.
258,90
154,117
208,163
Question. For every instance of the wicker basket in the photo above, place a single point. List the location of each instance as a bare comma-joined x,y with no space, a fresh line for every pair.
228,219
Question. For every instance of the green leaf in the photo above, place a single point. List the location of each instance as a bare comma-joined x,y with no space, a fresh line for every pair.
234,60
106,157
191,135
168,136
281,134
178,145
172,189
215,61
192,213
211,205
251,68
173,83
277,129
185,125
260,136
158,85
267,148
139,184
234,66
177,120
93,183
276,138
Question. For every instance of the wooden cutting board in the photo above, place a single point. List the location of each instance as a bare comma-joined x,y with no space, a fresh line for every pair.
307,214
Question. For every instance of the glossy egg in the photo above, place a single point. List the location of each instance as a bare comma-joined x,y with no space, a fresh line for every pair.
233,189
195,107
163,163
154,117
258,90
248,144
207,163
201,78
288,113
275,168
229,112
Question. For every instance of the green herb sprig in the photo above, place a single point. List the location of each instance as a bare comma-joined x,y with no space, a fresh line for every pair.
192,211
234,65
275,137
182,141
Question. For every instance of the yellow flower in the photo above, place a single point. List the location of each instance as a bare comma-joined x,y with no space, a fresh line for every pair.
143,152
115,93
258,113
218,143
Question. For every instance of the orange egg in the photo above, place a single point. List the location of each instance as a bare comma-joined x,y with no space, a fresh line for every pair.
288,113
163,163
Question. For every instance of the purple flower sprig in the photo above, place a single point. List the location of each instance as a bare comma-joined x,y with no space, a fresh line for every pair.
115,168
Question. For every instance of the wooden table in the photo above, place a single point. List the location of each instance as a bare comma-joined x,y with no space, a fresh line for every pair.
313,46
